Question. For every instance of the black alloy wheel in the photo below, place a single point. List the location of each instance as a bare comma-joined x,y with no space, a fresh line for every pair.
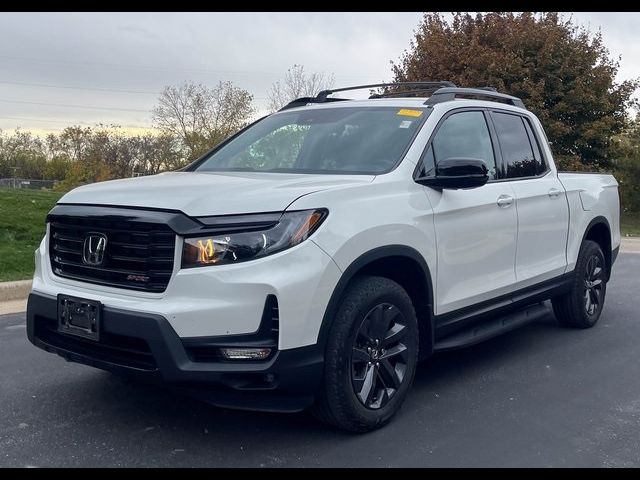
582,305
593,285
371,355
379,358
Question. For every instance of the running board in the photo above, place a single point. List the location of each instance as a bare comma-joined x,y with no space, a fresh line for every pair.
491,328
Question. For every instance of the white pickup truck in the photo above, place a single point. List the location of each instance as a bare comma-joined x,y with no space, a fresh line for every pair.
312,259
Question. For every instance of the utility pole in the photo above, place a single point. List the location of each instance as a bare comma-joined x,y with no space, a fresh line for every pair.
15,170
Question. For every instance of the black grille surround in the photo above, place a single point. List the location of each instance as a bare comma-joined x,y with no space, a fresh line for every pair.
139,253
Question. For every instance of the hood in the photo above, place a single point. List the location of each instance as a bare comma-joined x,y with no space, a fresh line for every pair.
210,193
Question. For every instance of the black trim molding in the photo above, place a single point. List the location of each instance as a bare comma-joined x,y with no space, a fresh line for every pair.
179,222
452,322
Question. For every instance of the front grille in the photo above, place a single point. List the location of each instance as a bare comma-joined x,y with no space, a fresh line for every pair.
116,349
138,255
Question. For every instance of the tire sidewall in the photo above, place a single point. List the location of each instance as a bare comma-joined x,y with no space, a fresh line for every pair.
589,249
350,319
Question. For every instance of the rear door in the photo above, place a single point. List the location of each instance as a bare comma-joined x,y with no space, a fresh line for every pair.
543,213
475,228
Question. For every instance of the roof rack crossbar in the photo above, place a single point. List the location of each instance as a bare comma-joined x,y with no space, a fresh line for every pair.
425,92
322,96
447,94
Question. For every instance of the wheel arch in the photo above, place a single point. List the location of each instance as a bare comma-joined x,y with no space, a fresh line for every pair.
400,263
599,231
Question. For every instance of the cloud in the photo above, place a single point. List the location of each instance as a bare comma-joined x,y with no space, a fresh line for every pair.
121,61
138,31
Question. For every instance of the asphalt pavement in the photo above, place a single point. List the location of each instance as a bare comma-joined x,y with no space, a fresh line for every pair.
538,396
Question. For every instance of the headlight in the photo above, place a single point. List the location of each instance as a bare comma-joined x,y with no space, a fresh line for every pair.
219,249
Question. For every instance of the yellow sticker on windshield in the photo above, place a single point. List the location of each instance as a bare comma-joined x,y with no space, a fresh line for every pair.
409,113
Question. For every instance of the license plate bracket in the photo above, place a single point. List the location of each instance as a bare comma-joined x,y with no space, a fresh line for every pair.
80,317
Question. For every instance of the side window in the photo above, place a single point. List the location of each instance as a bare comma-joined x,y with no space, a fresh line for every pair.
463,134
516,148
537,151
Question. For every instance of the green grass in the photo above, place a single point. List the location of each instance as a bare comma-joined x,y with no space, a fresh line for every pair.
630,224
22,214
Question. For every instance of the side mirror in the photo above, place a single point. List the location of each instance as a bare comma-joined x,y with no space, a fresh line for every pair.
457,173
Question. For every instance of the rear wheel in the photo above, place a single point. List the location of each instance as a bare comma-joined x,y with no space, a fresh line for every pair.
581,307
371,356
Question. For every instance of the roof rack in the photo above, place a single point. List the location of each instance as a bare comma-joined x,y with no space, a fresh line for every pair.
425,85
423,92
438,92
323,96
325,93
483,93
302,101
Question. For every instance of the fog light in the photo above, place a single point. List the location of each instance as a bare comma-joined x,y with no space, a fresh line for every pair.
245,353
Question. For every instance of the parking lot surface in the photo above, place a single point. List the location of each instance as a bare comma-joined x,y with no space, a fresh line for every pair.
538,396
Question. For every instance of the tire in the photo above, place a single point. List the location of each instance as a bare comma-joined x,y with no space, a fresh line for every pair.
363,389
582,305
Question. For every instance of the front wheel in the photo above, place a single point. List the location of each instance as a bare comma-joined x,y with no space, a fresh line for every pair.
371,356
582,305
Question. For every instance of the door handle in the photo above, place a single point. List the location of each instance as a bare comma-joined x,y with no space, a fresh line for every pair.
505,201
554,192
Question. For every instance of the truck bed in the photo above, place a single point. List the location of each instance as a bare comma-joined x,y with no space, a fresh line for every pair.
590,196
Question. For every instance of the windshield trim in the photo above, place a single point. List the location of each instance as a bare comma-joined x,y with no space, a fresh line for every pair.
193,167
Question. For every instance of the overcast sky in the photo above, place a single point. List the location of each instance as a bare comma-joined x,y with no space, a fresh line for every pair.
59,69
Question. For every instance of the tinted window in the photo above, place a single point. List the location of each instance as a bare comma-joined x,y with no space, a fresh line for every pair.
515,145
537,152
462,135
322,140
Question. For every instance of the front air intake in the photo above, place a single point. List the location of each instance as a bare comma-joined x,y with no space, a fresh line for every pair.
137,255
216,349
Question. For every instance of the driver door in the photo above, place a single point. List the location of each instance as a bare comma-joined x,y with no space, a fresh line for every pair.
476,229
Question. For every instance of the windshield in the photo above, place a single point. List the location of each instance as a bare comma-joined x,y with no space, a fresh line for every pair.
360,140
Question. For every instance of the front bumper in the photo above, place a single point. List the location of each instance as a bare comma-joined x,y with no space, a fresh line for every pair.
221,300
145,344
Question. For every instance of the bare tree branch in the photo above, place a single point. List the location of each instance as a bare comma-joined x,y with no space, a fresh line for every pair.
297,83
201,116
